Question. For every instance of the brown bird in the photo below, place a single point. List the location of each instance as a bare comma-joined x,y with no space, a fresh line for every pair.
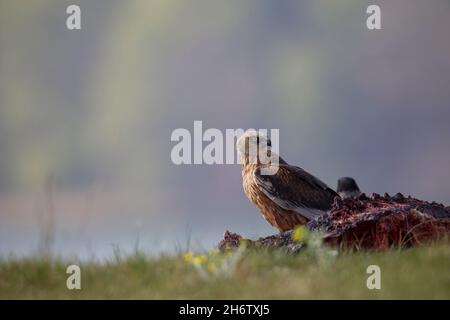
288,198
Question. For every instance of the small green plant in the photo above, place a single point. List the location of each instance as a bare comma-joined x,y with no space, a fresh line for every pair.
314,245
214,262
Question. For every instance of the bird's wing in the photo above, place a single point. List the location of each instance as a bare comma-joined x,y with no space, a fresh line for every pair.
292,188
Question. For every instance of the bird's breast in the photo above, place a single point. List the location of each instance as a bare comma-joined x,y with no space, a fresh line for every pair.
248,182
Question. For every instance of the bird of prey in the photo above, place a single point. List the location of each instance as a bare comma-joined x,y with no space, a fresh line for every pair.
347,188
286,199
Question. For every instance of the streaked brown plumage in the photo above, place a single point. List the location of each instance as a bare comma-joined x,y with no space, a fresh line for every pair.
288,198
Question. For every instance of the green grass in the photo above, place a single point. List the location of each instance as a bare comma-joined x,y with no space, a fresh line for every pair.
422,272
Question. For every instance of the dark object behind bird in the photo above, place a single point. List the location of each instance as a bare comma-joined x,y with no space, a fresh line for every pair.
347,188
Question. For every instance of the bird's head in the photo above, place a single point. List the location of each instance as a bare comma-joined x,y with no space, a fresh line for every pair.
253,146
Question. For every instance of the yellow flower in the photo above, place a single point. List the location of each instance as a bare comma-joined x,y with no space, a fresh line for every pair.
188,256
300,234
199,260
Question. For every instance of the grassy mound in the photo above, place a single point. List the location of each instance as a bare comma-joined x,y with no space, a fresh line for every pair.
420,272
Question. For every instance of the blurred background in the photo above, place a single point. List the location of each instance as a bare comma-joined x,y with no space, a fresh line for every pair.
86,116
